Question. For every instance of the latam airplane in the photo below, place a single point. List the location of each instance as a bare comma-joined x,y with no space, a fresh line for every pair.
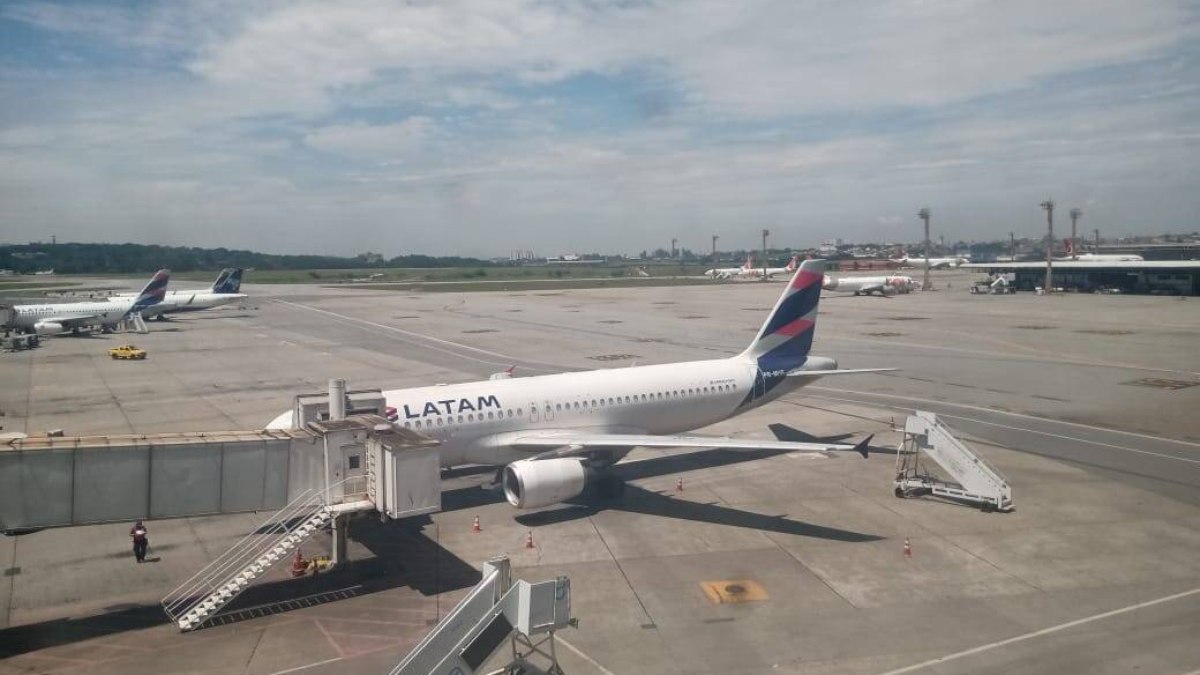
884,286
224,291
751,271
934,263
729,272
552,435
53,319
1098,257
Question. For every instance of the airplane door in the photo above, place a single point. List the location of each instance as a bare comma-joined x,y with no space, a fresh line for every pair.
549,412
533,411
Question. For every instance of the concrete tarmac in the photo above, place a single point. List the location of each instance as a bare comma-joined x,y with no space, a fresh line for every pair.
1084,402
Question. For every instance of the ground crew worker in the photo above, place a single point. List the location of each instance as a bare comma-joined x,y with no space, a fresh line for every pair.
140,542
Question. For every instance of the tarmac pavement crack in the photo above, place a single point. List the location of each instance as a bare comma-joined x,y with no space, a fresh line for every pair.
112,395
253,651
628,583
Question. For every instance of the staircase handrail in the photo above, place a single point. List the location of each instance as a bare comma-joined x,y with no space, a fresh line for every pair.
184,597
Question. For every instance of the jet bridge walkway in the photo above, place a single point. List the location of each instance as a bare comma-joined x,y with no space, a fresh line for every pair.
310,477
497,609
974,481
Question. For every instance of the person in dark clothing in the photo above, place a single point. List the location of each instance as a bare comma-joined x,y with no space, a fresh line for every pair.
140,542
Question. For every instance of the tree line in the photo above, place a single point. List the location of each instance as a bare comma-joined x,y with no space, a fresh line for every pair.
72,258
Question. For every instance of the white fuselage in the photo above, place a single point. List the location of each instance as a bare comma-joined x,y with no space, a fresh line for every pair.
472,420
101,312
934,263
858,285
185,301
1105,257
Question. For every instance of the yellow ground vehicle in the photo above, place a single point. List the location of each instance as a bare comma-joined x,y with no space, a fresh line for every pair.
127,352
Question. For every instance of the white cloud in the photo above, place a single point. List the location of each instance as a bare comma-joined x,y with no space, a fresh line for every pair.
379,143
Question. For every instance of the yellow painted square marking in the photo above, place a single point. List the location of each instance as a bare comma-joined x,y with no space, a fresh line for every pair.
734,591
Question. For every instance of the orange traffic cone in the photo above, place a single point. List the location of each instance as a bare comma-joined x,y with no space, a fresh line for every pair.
907,548
299,565
529,539
476,527
679,485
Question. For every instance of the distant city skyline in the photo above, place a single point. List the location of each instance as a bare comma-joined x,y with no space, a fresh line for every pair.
478,128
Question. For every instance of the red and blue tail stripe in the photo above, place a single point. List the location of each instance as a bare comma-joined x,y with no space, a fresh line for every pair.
154,292
784,341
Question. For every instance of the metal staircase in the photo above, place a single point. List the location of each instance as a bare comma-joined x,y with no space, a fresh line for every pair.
974,480
215,586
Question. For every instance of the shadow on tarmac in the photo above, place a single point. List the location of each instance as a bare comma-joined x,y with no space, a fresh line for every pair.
403,556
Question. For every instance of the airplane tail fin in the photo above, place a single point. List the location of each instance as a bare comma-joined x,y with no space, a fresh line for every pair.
232,283
783,342
1070,247
791,266
153,292
216,287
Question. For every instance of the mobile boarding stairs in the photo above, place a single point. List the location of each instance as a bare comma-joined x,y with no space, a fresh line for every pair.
972,480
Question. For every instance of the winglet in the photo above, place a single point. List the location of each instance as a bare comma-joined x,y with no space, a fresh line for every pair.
861,447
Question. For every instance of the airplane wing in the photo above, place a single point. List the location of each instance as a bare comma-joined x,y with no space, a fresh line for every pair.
565,443
69,322
844,371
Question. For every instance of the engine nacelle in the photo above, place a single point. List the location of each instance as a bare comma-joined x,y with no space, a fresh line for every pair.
529,484
48,328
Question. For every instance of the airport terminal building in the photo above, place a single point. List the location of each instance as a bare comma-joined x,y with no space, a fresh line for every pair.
1157,277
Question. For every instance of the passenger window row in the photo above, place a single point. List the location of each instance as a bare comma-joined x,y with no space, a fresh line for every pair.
450,420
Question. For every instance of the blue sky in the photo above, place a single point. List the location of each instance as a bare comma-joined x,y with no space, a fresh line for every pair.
556,125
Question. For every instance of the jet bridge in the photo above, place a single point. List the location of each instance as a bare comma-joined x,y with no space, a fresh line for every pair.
309,478
974,480
497,609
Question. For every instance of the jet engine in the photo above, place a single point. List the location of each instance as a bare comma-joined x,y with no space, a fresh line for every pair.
529,484
48,328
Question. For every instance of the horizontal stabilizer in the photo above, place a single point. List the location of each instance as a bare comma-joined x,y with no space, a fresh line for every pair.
845,371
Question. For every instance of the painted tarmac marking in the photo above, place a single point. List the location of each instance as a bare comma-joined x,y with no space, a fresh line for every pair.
307,666
1038,633
1005,412
1085,441
420,336
585,657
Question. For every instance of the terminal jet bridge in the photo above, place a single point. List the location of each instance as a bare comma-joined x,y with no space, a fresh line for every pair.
496,610
974,481
311,477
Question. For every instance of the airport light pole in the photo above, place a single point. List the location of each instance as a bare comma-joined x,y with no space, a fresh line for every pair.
923,214
765,233
1097,240
1048,205
715,238
1075,213
673,242
1012,246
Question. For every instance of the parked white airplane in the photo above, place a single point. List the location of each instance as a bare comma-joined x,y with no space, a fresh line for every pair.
223,291
1098,257
934,263
58,318
757,272
552,434
885,286
728,272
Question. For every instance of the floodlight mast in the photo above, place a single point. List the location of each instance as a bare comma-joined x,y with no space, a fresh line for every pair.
714,244
765,234
1075,214
1048,205
923,214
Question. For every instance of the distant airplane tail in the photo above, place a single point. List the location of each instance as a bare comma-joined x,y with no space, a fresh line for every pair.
221,280
783,342
229,282
1069,246
791,266
153,293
